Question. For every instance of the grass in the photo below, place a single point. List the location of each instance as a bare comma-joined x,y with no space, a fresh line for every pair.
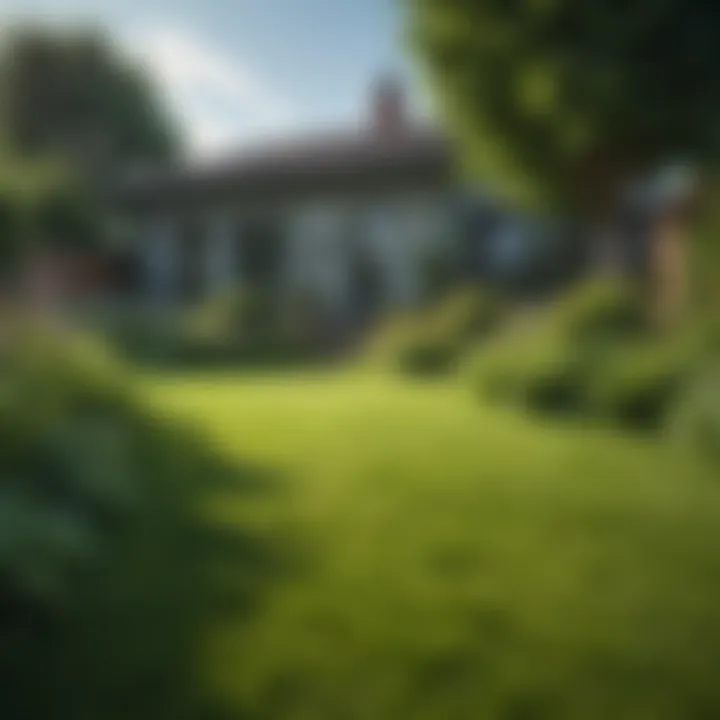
443,560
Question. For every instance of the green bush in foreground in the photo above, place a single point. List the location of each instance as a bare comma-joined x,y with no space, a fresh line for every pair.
108,572
64,472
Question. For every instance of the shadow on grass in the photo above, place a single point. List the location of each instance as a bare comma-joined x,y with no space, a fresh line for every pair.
129,643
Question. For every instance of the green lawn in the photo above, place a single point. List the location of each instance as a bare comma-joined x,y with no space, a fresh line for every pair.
443,560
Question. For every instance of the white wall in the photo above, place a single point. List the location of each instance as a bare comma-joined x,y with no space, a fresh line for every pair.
221,255
318,252
401,234
397,232
160,257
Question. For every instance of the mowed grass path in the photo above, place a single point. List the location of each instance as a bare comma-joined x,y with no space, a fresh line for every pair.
445,560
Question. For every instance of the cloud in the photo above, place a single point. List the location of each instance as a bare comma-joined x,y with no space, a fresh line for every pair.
221,100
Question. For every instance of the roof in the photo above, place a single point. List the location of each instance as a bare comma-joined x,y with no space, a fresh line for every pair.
419,154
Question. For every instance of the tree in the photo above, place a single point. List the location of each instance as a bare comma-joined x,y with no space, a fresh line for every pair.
568,101
73,94
25,187
48,223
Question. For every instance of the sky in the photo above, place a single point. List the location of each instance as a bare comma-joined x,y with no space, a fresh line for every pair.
234,71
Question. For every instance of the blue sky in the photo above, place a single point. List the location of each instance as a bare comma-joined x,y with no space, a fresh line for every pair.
236,70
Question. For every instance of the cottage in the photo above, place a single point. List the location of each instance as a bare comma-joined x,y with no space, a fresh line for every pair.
352,217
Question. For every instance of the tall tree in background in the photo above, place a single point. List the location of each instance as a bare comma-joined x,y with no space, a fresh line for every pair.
74,114
566,101
47,218
71,93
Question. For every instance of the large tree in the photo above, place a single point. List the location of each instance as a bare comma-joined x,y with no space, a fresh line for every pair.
567,99
567,102
72,93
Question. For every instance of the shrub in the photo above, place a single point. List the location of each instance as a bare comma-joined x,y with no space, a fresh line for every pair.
590,354
706,336
535,367
439,272
696,421
235,328
108,573
637,383
248,326
237,316
385,345
430,341
427,354
598,311
465,315
63,476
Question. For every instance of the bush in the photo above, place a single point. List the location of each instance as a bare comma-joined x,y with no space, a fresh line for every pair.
430,341
465,315
696,422
535,367
106,579
589,355
234,317
427,355
637,384
64,473
248,326
235,328
598,311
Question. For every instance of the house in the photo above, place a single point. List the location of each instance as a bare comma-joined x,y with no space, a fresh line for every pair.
352,217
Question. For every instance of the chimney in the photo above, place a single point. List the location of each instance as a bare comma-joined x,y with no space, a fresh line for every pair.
389,109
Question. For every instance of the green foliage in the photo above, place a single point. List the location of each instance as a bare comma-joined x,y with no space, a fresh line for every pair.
240,327
465,314
638,384
57,484
387,343
558,100
696,421
235,316
70,93
431,340
589,355
67,218
43,207
108,571
536,368
251,325
599,311
428,354
439,271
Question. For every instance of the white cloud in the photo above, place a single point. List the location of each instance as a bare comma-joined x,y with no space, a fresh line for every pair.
221,100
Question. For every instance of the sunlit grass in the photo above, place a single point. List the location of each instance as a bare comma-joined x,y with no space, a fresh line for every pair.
450,561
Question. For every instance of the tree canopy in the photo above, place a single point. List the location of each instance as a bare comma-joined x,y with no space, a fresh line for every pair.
43,204
564,100
71,93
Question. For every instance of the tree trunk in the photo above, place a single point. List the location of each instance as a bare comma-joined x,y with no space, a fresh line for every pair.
669,269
